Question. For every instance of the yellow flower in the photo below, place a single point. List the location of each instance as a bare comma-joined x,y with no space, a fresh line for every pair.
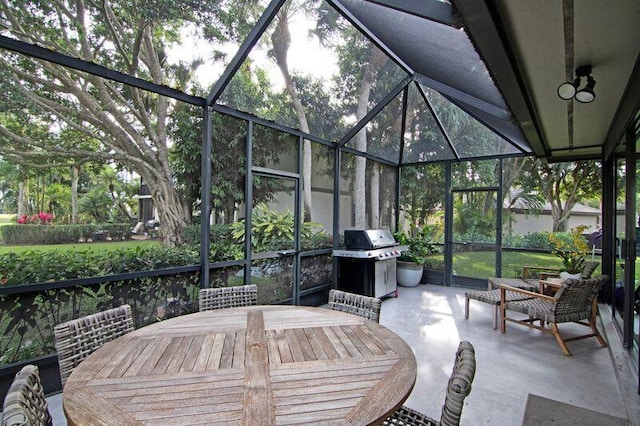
571,253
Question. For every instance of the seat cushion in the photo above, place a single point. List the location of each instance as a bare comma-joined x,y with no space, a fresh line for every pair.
493,296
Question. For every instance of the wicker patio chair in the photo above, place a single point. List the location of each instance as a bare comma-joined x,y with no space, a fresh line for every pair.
589,268
79,338
227,297
458,388
24,403
575,301
531,276
357,304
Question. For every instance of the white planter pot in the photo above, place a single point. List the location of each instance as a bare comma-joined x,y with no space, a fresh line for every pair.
409,274
564,275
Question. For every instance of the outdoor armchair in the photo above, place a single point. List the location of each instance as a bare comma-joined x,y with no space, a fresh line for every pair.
459,387
77,339
227,297
575,301
357,304
25,403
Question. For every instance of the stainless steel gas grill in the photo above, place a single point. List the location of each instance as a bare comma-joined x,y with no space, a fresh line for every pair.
367,264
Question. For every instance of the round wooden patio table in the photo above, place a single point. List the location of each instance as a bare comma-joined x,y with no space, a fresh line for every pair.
259,365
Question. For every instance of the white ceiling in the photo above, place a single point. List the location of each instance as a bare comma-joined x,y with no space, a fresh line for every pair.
606,35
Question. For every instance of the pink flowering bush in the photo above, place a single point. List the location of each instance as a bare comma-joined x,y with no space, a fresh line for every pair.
42,218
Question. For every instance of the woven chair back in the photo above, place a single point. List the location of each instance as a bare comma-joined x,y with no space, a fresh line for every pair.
459,386
576,295
25,403
589,268
357,304
227,297
79,338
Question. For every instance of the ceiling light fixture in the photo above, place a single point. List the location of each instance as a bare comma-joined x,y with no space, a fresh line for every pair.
569,90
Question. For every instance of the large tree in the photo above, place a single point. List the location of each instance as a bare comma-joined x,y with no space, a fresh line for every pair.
563,185
281,41
130,124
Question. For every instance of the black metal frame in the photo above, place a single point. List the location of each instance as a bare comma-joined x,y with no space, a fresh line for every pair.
482,35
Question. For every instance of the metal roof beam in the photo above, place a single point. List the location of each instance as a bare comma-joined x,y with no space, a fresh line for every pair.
489,37
452,92
254,36
95,69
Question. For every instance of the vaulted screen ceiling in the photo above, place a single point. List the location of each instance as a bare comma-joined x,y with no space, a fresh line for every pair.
494,62
446,78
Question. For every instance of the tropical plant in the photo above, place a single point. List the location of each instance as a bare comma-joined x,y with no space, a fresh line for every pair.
420,247
273,230
571,250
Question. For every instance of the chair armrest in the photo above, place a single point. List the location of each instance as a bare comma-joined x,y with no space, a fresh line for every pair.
546,275
551,283
504,287
527,269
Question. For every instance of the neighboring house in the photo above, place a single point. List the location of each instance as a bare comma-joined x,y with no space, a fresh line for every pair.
524,220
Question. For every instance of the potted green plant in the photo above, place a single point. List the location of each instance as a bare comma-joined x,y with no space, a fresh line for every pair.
411,262
571,251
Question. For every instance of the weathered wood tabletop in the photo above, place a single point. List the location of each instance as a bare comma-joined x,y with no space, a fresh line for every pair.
259,365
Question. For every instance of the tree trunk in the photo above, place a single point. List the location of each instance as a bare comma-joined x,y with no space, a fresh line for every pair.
359,201
22,199
378,58
173,215
75,176
281,40
375,196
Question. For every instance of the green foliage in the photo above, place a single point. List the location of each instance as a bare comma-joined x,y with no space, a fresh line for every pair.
62,234
562,185
37,266
475,217
434,262
571,248
421,191
27,319
222,245
420,246
273,230
539,240
227,241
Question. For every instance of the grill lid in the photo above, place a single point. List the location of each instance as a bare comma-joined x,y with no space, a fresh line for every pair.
365,239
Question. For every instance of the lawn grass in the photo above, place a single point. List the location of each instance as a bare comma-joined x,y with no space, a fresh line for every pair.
481,264
97,246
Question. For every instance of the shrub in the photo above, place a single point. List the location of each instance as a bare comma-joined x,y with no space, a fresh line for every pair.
222,245
273,230
420,246
434,263
61,234
35,266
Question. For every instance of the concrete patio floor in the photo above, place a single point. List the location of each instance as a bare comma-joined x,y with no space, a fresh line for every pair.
509,367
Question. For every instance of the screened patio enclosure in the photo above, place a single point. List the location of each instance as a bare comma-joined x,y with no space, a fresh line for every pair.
271,126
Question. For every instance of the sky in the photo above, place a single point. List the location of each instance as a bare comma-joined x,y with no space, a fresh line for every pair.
306,55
